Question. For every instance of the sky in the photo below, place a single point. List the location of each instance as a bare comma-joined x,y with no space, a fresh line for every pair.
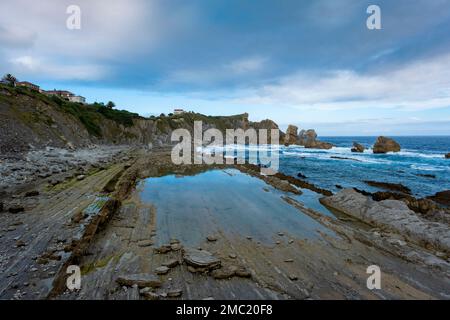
311,63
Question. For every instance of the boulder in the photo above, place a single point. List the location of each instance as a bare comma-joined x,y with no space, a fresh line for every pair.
162,270
319,145
442,197
358,147
142,280
393,215
291,135
201,259
384,145
447,156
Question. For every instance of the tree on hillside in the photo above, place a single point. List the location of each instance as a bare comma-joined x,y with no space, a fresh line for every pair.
9,79
110,105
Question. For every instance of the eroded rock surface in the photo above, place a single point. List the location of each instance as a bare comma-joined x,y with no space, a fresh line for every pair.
385,145
392,214
357,147
201,259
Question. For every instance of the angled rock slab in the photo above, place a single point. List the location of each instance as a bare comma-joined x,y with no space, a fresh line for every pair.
142,280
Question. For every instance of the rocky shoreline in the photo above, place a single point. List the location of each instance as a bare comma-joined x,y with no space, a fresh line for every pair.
93,217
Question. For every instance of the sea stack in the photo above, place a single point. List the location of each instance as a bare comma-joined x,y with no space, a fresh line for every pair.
308,139
291,135
358,147
385,144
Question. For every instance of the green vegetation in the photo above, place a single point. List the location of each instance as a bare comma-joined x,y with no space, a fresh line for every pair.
9,79
90,115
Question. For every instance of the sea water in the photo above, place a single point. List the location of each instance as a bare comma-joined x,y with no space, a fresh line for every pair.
419,156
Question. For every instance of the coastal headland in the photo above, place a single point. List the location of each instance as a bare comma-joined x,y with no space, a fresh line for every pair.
99,190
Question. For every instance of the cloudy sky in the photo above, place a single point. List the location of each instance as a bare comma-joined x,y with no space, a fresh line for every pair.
311,63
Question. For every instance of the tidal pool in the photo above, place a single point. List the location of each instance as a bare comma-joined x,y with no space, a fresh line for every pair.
228,202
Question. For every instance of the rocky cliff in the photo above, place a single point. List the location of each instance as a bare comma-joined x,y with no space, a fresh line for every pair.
29,119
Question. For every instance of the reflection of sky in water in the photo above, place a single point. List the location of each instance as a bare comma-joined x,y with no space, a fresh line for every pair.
191,207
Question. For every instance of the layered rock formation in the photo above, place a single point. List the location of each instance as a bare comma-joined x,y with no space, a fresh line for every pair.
29,120
291,135
385,145
306,138
393,215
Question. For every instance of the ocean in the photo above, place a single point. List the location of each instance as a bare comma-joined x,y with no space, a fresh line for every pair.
421,165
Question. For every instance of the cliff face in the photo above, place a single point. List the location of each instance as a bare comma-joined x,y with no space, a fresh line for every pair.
29,119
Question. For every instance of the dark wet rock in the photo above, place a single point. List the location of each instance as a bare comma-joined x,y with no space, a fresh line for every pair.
16,209
447,156
281,184
442,197
384,145
301,176
162,270
345,158
358,147
338,186
291,135
389,186
201,259
254,170
32,193
141,280
431,176
1,207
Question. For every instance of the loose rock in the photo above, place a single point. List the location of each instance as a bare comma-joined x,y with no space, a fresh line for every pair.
201,259
171,263
162,270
